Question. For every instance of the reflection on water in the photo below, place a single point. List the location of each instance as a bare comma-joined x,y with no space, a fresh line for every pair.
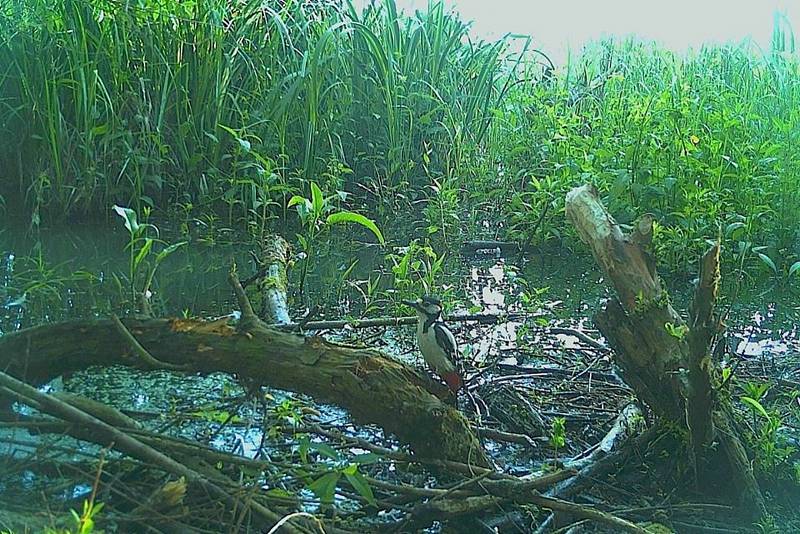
79,271
76,271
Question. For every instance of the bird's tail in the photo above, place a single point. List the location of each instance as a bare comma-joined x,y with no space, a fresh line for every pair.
453,380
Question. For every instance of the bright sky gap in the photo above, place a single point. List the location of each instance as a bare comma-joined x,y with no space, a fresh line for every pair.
566,25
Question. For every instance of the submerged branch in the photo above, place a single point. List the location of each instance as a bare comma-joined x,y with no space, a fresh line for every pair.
108,435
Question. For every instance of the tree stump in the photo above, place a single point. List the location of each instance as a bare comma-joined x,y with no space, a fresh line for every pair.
665,360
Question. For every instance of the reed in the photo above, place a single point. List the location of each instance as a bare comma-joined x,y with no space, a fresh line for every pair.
233,106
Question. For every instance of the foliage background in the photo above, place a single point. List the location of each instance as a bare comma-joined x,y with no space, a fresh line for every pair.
232,107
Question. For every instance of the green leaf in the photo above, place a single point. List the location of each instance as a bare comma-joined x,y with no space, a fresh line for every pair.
731,228
366,458
100,129
768,262
326,450
169,250
303,207
349,216
297,199
130,218
794,268
726,373
148,244
317,200
756,406
243,143
303,447
230,130
359,483
279,492
325,486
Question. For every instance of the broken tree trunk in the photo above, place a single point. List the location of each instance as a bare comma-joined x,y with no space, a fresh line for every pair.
271,280
666,361
373,387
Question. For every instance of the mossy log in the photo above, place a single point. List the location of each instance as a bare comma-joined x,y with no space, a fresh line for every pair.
272,280
372,386
664,359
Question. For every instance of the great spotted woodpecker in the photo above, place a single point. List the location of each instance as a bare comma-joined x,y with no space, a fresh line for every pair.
436,342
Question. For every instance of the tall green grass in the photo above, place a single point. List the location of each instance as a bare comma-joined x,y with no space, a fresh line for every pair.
232,106
135,102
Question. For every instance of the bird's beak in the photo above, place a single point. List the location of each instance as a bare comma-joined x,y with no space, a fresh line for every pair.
414,304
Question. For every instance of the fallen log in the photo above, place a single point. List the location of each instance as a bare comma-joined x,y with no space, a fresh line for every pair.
665,360
373,387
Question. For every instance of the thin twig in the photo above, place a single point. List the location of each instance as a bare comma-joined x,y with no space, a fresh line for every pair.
249,318
140,351
126,443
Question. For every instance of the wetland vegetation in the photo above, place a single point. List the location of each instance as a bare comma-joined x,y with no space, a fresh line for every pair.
149,145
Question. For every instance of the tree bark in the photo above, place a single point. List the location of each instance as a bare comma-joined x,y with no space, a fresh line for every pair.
665,360
373,387
271,280
274,285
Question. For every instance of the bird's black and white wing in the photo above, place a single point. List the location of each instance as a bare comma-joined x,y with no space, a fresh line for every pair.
445,339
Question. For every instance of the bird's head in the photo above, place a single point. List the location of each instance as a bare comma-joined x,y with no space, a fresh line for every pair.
428,307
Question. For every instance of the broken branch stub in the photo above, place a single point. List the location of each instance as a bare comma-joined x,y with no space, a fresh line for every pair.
273,284
665,360
626,262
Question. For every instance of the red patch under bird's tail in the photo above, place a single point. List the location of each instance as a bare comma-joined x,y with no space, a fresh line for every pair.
453,380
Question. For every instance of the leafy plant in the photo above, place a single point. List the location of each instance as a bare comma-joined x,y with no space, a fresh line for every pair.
83,523
144,260
773,453
417,269
338,466
558,434
255,183
318,214
36,286
677,331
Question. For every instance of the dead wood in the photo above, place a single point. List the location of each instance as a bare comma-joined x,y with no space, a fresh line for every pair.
628,423
511,437
373,387
443,509
271,280
451,508
587,512
665,360
108,435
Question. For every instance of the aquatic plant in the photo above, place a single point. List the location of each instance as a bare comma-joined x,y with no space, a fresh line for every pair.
317,214
418,270
144,259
